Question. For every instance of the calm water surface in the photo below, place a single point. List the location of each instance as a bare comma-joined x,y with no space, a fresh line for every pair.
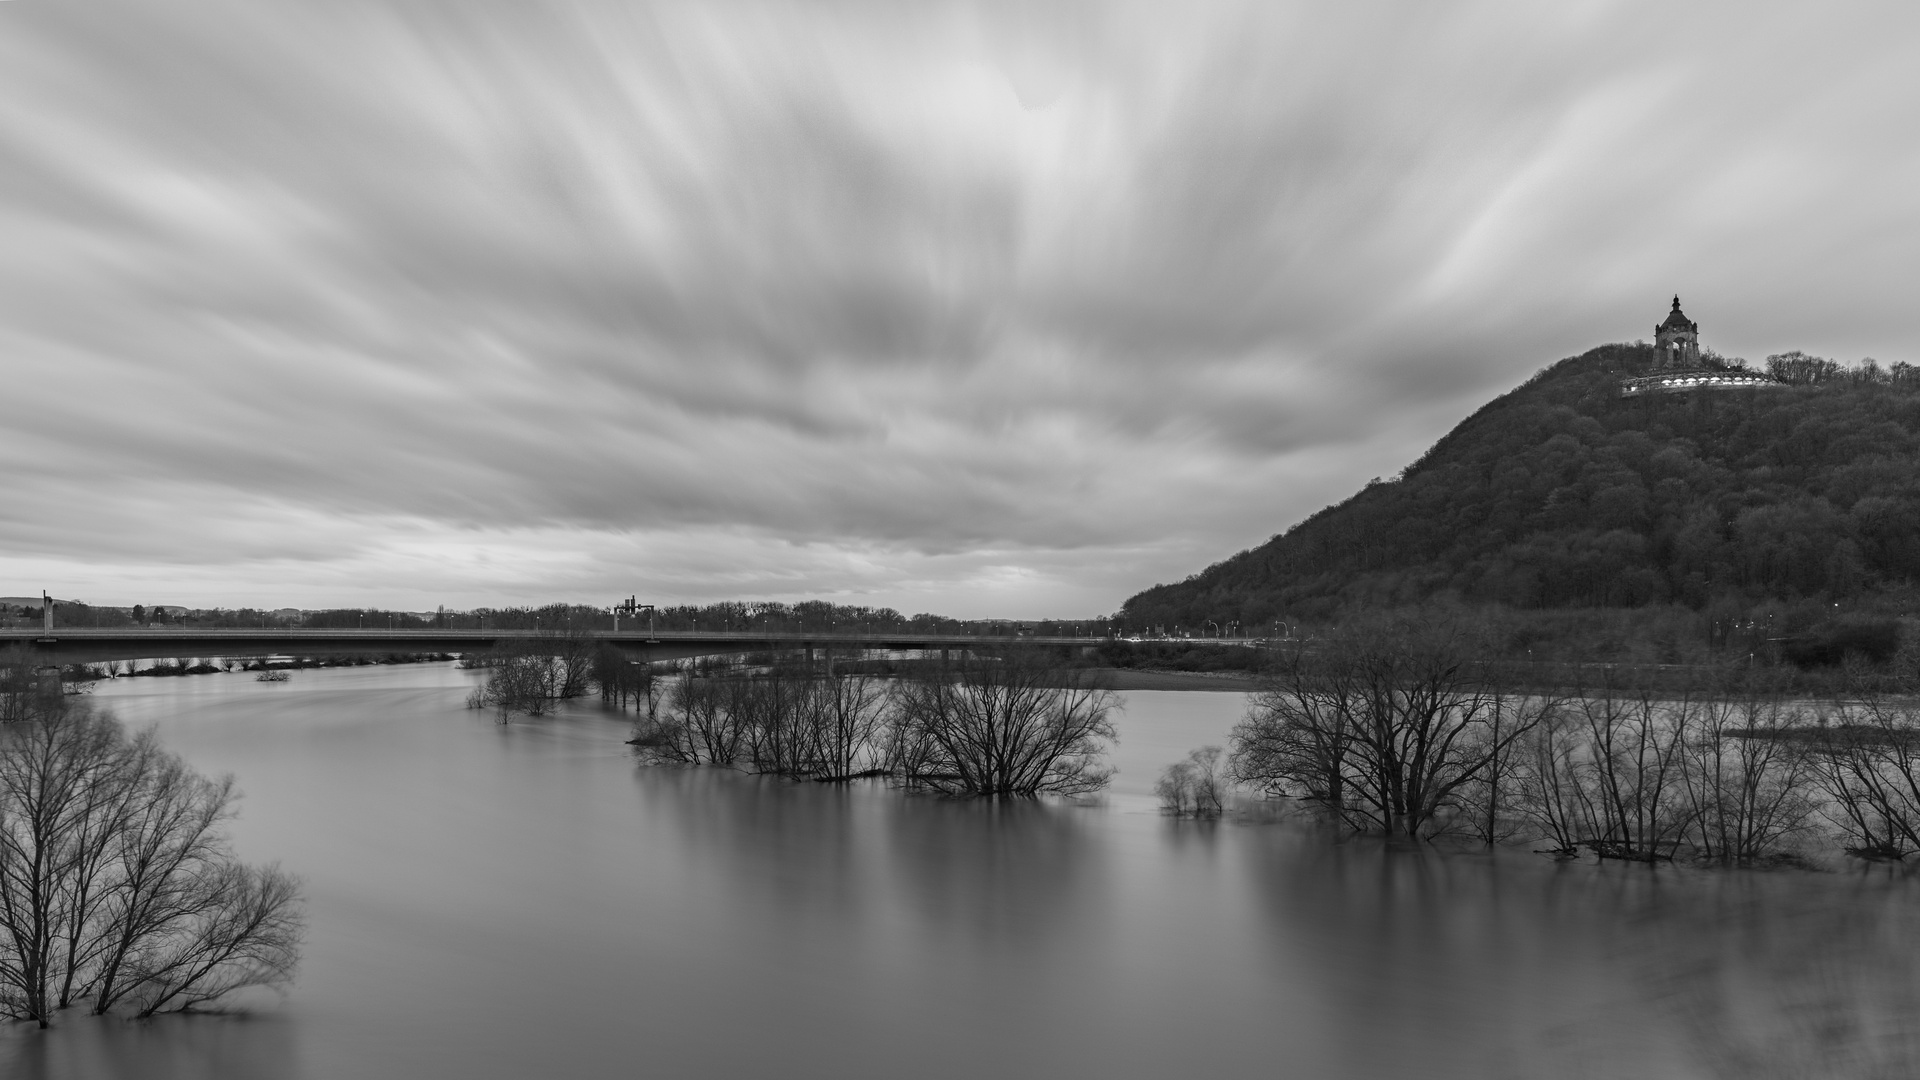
525,901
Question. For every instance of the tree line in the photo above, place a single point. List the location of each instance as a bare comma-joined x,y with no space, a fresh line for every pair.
766,617
1019,722
1404,730
1016,724
119,891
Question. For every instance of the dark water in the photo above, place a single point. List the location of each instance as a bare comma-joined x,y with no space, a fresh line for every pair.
524,901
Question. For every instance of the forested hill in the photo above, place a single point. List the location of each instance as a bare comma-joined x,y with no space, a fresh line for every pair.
1562,494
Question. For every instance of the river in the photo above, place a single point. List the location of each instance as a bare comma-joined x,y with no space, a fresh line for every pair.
526,901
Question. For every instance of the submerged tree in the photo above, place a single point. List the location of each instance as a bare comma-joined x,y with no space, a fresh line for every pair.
1194,787
1384,725
117,886
1750,783
850,715
1635,773
529,674
1866,761
788,720
24,694
622,679
1019,724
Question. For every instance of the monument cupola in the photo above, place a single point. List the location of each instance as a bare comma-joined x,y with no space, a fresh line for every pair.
1678,370
1678,340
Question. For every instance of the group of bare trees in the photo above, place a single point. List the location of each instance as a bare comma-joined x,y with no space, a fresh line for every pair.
1393,729
624,682
1013,725
1864,759
1626,772
1388,732
528,675
1195,787
788,720
118,891
1010,725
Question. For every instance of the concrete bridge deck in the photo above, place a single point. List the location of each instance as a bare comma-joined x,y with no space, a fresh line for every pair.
80,645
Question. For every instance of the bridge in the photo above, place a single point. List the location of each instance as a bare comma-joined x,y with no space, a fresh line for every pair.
77,645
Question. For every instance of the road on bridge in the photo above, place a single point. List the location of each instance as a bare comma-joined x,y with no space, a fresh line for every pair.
91,645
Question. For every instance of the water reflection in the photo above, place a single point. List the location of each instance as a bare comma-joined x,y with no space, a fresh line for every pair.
1778,976
183,1048
507,902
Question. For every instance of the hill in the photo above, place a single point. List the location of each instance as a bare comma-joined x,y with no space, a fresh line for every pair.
1563,495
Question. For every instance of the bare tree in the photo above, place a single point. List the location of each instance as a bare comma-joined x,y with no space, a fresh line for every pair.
1297,738
1749,783
1493,799
116,883
243,929
571,646
775,713
1016,725
1866,761
621,679
1194,787
529,674
851,718
699,727
1632,787
1384,725
1631,773
1547,779
519,679
24,694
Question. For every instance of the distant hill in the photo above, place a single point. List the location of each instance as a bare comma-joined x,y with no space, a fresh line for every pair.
1562,494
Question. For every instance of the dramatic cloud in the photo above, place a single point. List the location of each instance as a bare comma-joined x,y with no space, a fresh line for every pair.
984,309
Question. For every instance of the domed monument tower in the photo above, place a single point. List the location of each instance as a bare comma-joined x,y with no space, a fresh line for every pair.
1678,340
1679,369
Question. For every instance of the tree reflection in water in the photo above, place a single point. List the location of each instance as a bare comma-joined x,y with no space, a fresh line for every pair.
1503,965
1783,975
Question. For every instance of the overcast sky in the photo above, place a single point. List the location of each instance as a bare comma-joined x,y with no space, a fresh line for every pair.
1006,309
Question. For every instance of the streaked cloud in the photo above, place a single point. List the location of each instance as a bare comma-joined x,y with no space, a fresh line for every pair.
973,308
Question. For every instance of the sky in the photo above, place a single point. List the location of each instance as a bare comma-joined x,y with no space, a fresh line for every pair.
989,310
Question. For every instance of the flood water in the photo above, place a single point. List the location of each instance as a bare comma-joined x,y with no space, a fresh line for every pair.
527,901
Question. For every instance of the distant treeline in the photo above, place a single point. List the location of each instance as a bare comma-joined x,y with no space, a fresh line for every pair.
762,617
1738,507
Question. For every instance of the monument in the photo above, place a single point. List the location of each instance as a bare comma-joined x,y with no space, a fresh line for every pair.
1678,367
